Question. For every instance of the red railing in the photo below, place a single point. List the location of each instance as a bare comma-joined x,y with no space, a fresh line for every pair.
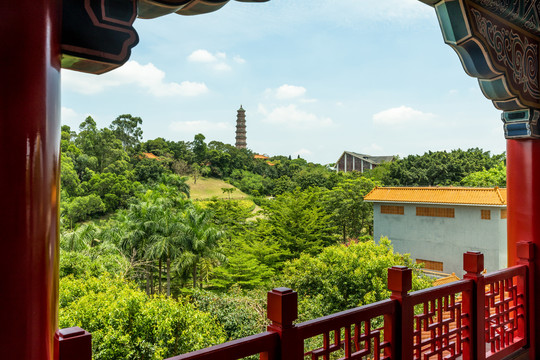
479,317
355,333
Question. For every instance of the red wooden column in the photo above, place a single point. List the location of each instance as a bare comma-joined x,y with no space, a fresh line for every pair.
523,183
400,283
282,310
29,177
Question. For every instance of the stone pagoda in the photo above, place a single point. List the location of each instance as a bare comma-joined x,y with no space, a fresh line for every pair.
241,129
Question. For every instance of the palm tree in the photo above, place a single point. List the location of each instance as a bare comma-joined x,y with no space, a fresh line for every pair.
165,241
138,223
82,238
199,240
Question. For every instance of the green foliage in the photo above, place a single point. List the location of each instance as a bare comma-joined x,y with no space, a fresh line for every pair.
127,324
83,207
69,180
439,168
240,314
349,212
199,148
126,128
91,263
200,239
251,183
242,270
344,276
149,170
99,143
298,222
231,215
496,176
114,190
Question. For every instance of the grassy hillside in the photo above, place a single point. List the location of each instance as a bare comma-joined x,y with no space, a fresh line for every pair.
207,188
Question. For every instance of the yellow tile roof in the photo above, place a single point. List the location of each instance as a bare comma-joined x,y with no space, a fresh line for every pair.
446,280
439,195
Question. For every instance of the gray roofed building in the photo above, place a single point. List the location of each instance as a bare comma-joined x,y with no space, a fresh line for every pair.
351,161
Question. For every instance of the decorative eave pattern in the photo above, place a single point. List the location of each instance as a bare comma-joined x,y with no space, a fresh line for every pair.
98,35
498,42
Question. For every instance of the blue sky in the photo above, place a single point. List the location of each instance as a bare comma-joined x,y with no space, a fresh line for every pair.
315,77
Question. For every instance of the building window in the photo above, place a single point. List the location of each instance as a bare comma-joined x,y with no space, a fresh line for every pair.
392,209
503,214
437,212
486,215
431,265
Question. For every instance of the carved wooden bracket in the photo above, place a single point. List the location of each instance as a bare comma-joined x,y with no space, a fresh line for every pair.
98,35
497,42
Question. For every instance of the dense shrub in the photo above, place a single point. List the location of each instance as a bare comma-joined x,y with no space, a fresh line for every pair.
345,276
127,324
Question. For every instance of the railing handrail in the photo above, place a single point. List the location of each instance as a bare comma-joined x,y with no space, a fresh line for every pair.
331,322
264,342
517,270
435,292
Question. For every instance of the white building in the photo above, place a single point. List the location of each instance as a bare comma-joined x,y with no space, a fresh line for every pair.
436,225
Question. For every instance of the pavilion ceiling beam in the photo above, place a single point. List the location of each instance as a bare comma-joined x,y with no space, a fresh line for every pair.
98,35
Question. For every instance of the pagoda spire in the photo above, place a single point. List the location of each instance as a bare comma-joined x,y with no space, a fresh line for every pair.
241,129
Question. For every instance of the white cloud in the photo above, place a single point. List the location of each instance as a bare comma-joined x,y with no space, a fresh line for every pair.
239,60
147,77
290,91
70,116
217,61
402,115
203,56
290,116
194,127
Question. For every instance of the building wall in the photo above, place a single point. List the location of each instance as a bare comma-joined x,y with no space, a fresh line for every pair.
445,239
353,164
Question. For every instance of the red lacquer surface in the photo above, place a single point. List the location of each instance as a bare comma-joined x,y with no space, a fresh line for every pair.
29,177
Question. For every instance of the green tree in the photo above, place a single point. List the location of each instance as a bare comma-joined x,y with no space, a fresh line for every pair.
348,210
242,270
439,167
199,240
127,324
149,170
298,222
127,129
199,148
165,241
83,207
345,276
241,314
68,178
114,190
496,176
99,143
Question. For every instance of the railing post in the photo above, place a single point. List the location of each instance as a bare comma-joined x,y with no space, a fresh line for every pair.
473,264
282,310
525,254
74,344
400,282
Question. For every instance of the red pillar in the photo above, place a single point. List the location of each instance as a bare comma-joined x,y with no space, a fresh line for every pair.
29,177
523,183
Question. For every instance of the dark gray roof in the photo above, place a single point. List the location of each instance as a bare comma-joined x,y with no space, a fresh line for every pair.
371,159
